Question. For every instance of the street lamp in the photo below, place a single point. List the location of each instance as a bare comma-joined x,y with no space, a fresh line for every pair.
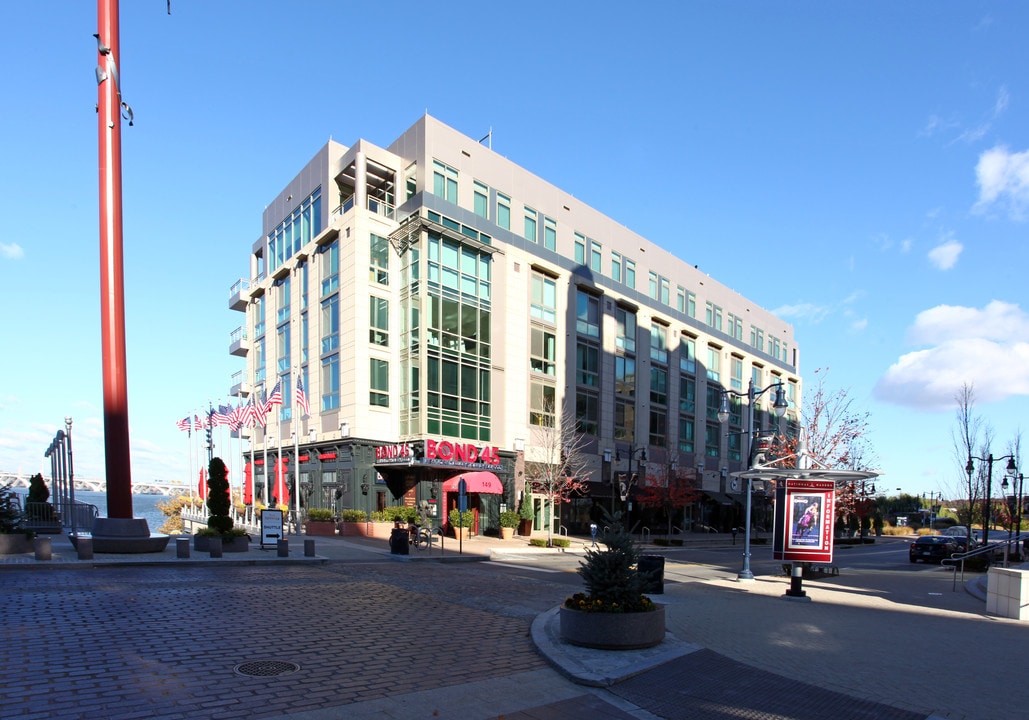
1014,509
779,406
989,460
640,455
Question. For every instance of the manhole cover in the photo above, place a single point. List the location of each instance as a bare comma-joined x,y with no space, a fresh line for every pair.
265,668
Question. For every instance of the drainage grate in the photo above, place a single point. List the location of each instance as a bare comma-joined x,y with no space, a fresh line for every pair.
265,668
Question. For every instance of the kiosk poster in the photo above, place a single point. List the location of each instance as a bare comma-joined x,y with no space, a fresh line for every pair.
271,526
804,521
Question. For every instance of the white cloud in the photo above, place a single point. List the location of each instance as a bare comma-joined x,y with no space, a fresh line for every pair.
11,251
803,311
859,325
1003,179
905,245
987,348
945,255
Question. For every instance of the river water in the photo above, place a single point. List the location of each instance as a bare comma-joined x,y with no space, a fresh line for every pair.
143,506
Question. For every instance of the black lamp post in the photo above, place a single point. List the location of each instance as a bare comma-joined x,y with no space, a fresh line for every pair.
640,455
779,406
1014,509
989,460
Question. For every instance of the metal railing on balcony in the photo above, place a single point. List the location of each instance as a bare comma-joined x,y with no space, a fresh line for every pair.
239,287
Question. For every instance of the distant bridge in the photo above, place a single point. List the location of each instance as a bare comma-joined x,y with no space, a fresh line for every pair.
154,487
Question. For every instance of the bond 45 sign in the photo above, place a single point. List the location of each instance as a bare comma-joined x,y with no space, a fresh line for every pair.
804,521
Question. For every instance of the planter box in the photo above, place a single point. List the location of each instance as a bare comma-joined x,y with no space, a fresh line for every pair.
202,543
323,528
613,631
506,533
15,543
380,530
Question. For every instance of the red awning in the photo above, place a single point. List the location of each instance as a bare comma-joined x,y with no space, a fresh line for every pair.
476,482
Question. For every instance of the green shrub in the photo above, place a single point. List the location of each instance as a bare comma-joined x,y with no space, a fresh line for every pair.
395,513
560,542
11,518
611,575
538,542
319,514
525,510
509,519
461,519
218,503
350,515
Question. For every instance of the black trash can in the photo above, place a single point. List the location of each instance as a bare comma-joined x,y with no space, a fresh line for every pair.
398,541
654,567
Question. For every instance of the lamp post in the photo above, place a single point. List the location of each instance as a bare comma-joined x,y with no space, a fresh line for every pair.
610,476
640,455
1014,509
779,407
989,460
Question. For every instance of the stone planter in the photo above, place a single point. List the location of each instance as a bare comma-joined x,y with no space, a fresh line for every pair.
381,530
202,543
323,528
613,631
506,533
14,543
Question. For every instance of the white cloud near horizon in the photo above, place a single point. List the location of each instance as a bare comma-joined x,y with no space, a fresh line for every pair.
11,251
1003,180
987,348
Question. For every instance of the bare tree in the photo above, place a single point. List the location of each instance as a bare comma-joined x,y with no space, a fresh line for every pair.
556,463
970,435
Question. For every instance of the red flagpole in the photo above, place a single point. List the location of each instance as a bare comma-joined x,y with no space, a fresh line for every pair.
112,286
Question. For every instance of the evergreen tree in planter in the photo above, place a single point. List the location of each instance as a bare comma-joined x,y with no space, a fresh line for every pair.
613,582
218,497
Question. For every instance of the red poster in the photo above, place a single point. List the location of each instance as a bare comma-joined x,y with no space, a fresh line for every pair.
804,516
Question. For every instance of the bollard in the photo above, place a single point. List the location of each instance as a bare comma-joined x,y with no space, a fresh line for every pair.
85,548
43,550
283,548
182,548
308,548
215,547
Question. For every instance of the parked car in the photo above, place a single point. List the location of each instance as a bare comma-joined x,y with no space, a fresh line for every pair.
932,548
960,535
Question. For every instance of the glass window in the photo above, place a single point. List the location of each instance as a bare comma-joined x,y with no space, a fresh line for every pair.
480,199
330,324
503,211
330,382
549,233
285,293
736,373
658,385
379,267
713,315
630,273
691,304
685,434
658,428
652,286
659,343
625,421
665,292
530,225
378,321
580,249
587,412
680,299
711,440
625,376
616,267
379,383
687,394
688,354
329,261
625,329
587,364
283,345
595,256
543,353
714,400
735,326
544,298
444,181
587,314
714,363
542,399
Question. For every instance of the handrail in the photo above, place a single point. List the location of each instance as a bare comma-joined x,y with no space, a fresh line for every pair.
644,534
562,530
990,548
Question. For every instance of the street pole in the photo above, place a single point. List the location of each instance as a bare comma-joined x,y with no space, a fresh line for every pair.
746,574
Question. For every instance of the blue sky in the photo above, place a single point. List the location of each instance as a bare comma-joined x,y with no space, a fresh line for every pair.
860,168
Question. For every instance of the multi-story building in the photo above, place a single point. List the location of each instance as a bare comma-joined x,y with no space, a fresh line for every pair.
438,302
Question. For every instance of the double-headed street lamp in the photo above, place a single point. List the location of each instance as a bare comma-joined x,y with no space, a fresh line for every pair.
1014,508
989,460
779,406
640,455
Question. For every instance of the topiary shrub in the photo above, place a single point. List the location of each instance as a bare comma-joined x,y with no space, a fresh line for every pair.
218,497
38,499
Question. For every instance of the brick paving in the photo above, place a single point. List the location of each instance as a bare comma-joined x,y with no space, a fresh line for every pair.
377,638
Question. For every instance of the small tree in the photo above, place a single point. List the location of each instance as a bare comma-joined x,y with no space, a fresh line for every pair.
11,518
558,463
39,499
676,490
611,575
218,497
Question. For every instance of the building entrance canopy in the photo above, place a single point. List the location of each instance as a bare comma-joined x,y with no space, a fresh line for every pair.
476,482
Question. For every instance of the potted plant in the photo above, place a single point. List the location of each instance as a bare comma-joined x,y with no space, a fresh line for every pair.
14,536
319,522
525,516
509,520
613,613
219,523
461,522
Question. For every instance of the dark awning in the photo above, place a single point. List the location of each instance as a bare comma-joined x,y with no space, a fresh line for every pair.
720,498
481,481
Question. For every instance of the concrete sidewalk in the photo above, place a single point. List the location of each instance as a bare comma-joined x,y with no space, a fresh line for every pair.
732,650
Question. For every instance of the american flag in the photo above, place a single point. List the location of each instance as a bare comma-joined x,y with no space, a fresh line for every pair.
221,415
275,398
301,396
183,424
199,423
254,416
237,418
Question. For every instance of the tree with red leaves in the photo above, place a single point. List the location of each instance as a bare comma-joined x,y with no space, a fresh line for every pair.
669,491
